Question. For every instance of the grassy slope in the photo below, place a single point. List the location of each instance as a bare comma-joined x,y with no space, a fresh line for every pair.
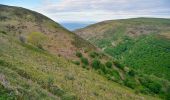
28,72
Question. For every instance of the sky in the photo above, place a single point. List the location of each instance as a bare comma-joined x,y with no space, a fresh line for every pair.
89,11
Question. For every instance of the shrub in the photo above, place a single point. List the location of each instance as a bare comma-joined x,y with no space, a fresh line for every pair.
131,73
93,54
117,64
78,54
37,39
96,64
84,66
84,61
144,90
129,82
103,68
76,62
115,74
108,64
153,86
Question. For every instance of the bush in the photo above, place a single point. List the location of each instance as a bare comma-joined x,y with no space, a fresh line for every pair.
153,86
93,54
131,73
84,66
96,64
103,68
129,82
108,64
76,62
78,54
115,74
117,64
84,61
37,39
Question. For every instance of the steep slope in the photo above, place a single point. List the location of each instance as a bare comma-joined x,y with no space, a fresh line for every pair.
142,44
33,52
31,26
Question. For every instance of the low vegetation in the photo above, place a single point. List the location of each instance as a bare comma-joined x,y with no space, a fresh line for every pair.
37,39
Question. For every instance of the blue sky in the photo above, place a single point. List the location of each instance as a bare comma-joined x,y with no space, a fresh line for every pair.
67,11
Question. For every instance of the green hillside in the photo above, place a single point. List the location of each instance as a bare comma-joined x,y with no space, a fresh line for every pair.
141,44
39,59
30,73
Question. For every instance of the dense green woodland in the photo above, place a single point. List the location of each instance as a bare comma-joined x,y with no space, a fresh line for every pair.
149,54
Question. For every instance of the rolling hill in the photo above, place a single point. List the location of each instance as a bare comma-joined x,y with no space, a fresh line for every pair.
142,44
39,59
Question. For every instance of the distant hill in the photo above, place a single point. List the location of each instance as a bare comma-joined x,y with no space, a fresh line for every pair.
142,44
39,59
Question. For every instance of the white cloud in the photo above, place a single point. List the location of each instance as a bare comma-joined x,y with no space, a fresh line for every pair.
98,10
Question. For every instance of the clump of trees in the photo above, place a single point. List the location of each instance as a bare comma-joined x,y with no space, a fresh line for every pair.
104,69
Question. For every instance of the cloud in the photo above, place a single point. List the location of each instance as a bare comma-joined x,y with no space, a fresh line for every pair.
98,10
